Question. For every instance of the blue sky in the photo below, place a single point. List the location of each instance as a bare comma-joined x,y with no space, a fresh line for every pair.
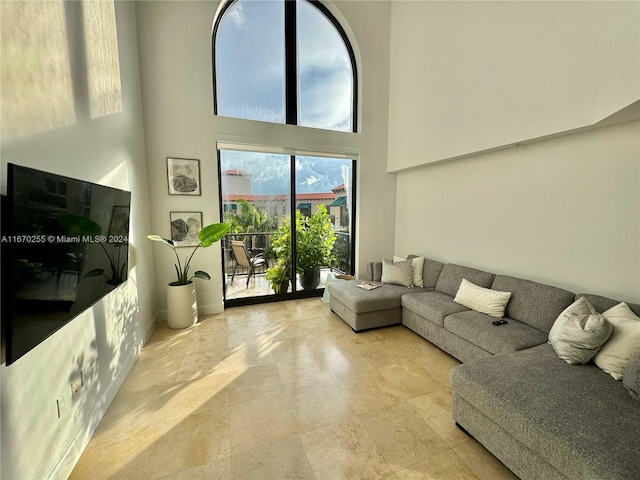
250,66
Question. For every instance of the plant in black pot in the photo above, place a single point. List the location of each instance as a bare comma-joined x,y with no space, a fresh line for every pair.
314,246
182,306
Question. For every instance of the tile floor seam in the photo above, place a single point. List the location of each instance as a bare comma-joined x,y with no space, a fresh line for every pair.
335,359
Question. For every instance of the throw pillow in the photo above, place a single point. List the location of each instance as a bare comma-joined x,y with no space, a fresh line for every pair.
624,340
417,266
579,332
631,376
480,299
397,273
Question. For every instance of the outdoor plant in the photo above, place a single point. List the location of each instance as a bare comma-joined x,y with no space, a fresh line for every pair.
314,240
280,273
314,244
207,236
279,276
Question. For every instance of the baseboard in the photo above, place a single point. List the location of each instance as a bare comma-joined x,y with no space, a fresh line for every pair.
74,452
211,309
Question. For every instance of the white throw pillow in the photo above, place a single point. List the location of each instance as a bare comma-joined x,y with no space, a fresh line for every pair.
484,300
579,332
397,273
623,342
416,266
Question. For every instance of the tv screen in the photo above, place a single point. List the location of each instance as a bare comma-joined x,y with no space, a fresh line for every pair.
65,245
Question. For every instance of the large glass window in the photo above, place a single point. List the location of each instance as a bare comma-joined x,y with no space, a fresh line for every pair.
325,73
250,68
261,200
284,62
291,216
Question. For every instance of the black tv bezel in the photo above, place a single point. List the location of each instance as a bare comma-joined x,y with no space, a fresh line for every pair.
7,252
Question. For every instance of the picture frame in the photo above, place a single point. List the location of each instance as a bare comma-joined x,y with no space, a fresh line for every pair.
185,227
119,226
183,176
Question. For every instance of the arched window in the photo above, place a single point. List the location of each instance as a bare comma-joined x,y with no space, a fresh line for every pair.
284,61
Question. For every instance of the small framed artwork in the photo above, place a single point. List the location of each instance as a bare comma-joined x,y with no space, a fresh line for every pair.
185,227
119,226
183,175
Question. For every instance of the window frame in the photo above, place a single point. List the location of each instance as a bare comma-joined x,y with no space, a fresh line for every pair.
291,67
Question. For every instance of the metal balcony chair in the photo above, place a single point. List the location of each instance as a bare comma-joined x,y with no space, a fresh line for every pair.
244,259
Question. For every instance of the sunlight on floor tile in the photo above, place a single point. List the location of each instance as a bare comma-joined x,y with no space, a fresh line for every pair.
282,391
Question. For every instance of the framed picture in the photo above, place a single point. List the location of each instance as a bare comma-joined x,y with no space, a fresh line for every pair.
185,227
119,226
183,175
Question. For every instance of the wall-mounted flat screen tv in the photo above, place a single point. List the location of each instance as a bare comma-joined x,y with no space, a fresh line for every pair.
65,244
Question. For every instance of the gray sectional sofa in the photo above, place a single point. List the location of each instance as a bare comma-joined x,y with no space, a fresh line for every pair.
543,418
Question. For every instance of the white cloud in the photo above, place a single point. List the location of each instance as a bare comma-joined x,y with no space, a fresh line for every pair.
311,180
237,14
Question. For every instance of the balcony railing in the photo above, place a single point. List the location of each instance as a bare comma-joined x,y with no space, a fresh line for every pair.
260,242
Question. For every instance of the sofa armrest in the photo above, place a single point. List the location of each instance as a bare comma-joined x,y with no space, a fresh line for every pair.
374,271
631,376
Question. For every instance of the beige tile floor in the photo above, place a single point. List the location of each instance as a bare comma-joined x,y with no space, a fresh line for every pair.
282,391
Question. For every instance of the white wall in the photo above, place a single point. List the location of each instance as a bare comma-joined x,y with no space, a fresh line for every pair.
104,341
564,212
176,76
468,77
477,76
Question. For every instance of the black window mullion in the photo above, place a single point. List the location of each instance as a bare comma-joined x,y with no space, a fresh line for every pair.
291,63
294,253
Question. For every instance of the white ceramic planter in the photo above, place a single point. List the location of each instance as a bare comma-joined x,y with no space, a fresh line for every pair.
182,305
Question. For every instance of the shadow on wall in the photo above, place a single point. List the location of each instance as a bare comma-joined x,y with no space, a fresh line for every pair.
116,343
60,64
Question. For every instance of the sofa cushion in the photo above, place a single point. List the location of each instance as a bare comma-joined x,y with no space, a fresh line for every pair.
480,299
397,273
374,271
431,270
631,376
536,304
452,275
478,329
601,304
432,306
417,267
363,301
623,343
577,417
579,332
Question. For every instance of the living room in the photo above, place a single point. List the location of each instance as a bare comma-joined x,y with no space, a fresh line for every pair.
502,136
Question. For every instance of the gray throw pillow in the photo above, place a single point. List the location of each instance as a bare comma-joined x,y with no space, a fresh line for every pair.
579,332
631,376
397,273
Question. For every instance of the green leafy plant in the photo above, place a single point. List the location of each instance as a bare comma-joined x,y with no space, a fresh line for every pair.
314,245
207,236
279,276
314,240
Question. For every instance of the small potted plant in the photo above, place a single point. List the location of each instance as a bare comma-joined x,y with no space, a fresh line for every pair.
182,306
279,276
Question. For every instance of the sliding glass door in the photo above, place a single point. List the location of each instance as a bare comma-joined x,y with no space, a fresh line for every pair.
291,223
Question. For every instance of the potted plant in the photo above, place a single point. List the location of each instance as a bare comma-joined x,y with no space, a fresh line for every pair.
182,306
279,277
314,246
